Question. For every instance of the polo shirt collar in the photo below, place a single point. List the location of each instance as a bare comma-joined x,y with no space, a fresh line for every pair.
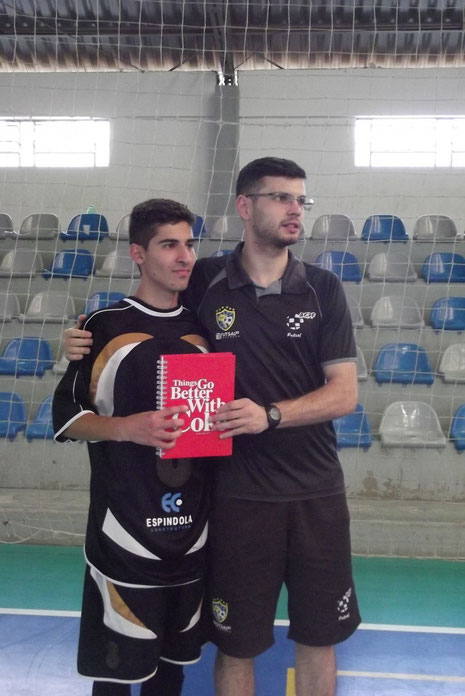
294,279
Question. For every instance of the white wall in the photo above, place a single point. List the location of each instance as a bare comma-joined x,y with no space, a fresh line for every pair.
163,131
309,116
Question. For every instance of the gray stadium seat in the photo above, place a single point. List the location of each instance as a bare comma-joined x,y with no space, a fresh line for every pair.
391,267
39,226
6,225
355,312
117,266
9,306
430,228
60,366
396,311
334,227
122,229
228,227
49,307
21,263
411,424
362,370
452,363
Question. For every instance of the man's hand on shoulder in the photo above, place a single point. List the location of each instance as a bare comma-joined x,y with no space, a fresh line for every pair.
76,341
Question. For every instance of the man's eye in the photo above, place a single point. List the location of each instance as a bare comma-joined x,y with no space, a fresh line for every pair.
282,197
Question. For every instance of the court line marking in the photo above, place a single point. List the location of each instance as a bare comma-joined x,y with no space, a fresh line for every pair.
405,677
41,612
455,630
278,622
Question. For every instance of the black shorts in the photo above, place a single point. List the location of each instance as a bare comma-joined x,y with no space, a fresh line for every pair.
125,631
255,546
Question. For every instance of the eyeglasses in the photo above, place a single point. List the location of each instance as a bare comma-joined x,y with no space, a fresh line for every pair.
285,198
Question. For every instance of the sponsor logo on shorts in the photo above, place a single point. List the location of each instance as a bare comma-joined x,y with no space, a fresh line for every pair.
343,605
296,321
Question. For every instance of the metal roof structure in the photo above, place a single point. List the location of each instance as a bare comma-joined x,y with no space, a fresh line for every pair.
229,35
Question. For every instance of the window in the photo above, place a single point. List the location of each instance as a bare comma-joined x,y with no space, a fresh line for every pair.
74,142
410,141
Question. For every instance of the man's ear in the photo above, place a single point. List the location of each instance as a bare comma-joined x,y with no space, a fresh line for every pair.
137,253
243,206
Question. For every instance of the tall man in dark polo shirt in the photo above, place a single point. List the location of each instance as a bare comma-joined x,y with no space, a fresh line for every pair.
280,513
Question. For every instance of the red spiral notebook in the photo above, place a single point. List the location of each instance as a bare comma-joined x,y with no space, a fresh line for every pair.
202,381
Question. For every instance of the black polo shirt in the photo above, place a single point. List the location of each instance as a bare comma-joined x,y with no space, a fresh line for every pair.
282,336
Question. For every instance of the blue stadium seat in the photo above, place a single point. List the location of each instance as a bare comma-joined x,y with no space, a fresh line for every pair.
12,415
403,363
86,226
353,430
99,300
222,252
26,356
384,228
198,228
70,264
342,263
444,267
457,429
41,427
448,314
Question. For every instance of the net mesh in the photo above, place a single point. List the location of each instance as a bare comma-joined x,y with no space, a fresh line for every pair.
184,134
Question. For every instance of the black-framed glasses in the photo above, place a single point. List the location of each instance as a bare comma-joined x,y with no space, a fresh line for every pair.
285,198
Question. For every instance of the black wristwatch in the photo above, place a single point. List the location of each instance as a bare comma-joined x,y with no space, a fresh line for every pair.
273,415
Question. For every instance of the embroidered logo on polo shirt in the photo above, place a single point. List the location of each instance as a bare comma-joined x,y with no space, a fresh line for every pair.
225,318
296,321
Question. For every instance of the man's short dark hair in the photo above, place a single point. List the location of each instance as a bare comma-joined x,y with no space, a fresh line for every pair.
147,217
251,175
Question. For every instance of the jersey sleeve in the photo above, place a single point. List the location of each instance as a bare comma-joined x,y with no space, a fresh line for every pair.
337,342
71,398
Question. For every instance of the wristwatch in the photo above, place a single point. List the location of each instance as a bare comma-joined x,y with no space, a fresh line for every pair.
273,415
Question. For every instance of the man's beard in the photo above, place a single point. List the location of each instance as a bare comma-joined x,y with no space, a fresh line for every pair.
266,234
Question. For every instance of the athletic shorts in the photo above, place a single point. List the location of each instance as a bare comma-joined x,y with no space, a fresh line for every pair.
125,631
255,547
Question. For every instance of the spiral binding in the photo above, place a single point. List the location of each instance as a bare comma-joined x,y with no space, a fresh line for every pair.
162,369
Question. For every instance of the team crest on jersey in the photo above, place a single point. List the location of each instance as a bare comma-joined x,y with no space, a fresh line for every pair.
220,610
225,317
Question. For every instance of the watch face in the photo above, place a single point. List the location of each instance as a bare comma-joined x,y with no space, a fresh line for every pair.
274,413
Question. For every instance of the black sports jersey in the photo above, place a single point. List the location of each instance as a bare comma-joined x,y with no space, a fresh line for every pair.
282,336
147,521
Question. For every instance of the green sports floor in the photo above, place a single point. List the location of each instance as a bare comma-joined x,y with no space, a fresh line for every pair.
410,604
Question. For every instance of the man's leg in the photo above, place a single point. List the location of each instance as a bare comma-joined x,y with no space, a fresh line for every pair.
234,676
315,670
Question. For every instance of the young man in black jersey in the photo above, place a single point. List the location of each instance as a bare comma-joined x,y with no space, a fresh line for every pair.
144,586
279,507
